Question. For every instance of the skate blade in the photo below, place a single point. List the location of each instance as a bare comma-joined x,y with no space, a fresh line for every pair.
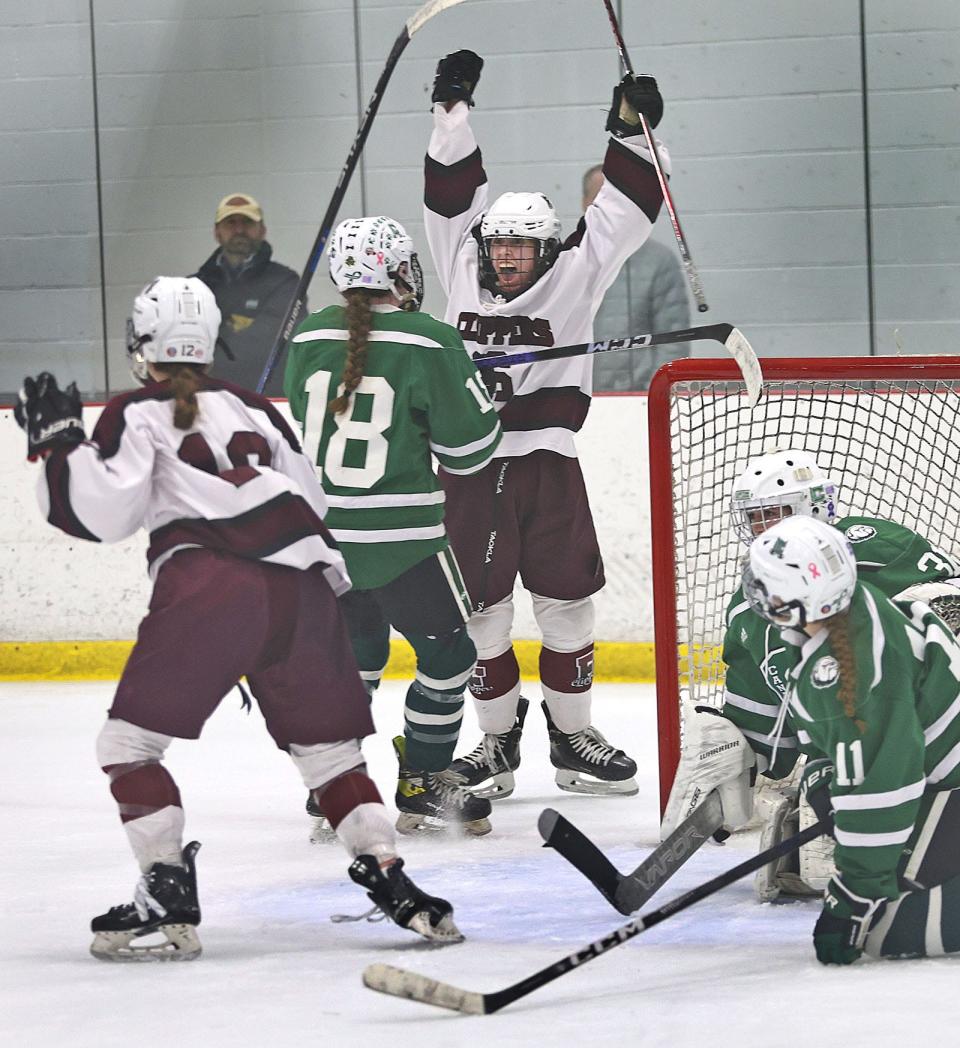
444,933
576,782
181,944
501,786
322,832
410,824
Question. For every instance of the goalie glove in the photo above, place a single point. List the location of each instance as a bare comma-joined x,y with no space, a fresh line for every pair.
51,417
715,756
942,597
842,927
457,76
631,97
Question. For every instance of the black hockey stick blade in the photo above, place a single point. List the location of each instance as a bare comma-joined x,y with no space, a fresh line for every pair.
560,834
627,892
399,982
663,862
732,339
298,303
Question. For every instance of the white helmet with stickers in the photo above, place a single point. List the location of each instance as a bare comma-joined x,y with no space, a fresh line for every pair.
799,571
175,320
376,254
520,216
778,485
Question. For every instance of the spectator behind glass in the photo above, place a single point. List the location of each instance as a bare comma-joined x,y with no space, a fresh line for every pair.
649,295
252,292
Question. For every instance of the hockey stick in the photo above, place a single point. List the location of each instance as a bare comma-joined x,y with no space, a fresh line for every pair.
298,302
416,987
693,277
627,892
731,337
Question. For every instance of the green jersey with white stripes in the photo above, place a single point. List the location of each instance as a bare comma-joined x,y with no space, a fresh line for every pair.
420,395
902,739
759,660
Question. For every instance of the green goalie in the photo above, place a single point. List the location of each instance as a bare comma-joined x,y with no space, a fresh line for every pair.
725,749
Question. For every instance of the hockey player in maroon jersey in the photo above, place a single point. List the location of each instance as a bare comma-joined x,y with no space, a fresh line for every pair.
513,285
246,578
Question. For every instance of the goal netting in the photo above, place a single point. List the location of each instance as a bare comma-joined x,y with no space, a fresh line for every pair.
886,428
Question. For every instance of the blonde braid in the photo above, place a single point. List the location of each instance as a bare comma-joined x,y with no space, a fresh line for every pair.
184,383
359,319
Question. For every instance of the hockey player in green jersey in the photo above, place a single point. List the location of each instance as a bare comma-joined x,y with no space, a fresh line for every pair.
758,662
380,388
875,696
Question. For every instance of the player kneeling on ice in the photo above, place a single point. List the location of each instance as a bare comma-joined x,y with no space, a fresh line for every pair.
246,581
787,484
875,700
381,388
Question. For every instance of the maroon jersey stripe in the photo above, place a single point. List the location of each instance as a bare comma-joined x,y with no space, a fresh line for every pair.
634,177
61,514
448,190
564,407
254,535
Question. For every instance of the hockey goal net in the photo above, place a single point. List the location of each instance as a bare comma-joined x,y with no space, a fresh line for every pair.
886,428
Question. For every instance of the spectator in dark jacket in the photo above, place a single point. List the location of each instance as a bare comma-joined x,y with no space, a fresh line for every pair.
649,295
252,292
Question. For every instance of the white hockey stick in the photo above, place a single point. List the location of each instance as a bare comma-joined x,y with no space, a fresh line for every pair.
732,338
298,303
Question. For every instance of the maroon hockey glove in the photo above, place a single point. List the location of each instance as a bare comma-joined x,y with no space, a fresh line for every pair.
631,97
51,417
457,76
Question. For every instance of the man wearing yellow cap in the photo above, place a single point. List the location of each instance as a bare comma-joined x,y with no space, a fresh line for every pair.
252,291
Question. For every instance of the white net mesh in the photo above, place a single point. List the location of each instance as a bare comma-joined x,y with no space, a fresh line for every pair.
893,445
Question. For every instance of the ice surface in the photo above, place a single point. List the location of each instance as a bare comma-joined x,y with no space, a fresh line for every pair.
275,970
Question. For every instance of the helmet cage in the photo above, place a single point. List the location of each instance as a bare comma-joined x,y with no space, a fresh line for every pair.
779,485
518,217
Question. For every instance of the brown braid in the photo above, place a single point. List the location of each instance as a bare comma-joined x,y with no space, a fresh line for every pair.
185,380
359,324
843,650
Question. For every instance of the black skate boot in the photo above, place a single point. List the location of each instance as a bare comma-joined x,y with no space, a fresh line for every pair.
165,901
431,799
403,902
496,757
587,753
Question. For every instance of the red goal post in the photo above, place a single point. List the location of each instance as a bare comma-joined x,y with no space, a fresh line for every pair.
887,429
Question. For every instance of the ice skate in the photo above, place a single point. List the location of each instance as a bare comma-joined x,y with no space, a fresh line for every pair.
321,832
431,800
496,758
165,902
403,902
587,763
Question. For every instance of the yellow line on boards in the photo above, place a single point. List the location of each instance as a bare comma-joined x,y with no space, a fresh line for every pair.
104,660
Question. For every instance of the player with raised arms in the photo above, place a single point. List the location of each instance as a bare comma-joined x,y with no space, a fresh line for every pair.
380,388
874,700
725,749
514,284
245,583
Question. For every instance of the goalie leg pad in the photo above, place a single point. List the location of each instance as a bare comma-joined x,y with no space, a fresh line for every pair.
801,875
715,756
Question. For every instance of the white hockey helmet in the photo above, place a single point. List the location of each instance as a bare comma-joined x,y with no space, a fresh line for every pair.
376,254
799,571
781,484
175,320
520,216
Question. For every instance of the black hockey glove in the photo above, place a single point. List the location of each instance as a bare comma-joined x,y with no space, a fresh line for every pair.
457,76
631,97
844,921
52,417
815,789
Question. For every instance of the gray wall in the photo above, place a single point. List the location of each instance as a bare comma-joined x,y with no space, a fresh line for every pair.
197,98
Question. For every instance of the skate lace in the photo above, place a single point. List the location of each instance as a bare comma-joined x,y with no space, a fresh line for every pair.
448,788
371,916
145,903
592,746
